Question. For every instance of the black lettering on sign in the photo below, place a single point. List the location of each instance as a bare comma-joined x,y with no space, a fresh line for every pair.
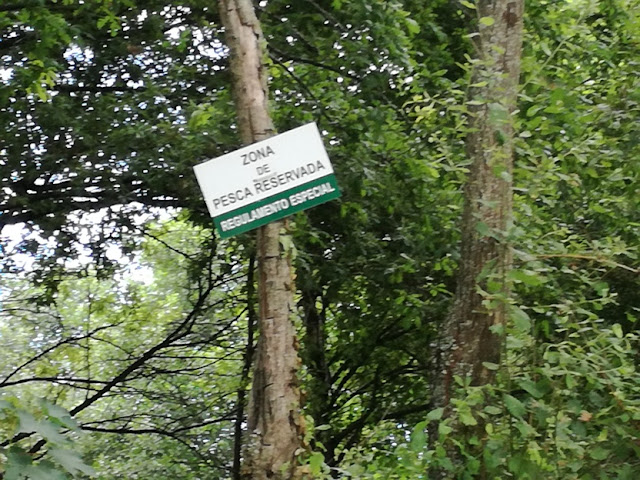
258,154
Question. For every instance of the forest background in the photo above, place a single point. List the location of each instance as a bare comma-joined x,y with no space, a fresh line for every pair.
128,328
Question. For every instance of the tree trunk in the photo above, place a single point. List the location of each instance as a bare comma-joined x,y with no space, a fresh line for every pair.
274,422
469,339
318,387
245,375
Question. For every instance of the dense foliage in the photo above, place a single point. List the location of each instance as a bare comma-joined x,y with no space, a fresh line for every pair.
127,327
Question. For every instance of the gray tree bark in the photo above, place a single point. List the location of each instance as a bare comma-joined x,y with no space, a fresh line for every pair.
275,426
486,257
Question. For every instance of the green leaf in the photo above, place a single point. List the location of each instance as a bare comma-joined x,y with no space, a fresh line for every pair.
521,320
528,277
434,415
433,173
531,388
444,429
288,247
60,414
44,471
599,453
45,428
602,288
467,418
483,229
525,429
418,437
488,21
70,461
516,464
617,330
412,26
102,21
315,463
492,410
531,111
490,365
515,407
200,117
467,4
17,462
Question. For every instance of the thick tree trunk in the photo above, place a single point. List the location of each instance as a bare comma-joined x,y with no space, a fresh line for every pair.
468,336
274,422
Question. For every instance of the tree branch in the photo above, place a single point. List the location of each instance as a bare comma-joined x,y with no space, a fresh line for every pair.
179,332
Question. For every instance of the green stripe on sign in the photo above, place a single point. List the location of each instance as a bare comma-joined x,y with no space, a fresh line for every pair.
278,206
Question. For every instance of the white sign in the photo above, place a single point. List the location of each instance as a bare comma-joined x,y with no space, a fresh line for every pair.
263,169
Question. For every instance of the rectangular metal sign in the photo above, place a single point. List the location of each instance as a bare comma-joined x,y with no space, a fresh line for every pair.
267,180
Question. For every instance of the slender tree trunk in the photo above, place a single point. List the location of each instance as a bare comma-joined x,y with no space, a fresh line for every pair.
274,421
468,337
318,388
245,376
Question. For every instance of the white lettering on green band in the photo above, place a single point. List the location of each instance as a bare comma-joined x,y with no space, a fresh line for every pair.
256,214
278,206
